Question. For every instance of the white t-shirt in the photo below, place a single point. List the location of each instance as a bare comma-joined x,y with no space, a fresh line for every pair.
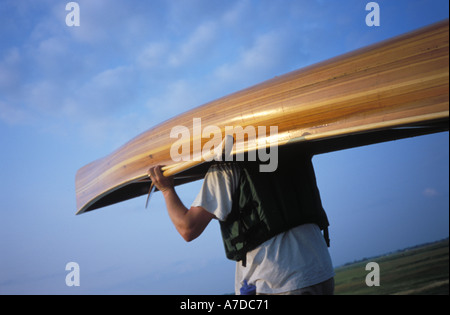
291,260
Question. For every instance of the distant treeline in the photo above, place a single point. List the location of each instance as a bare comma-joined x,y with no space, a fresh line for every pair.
444,240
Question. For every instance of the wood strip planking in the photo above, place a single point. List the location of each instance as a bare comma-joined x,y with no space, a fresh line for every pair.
388,83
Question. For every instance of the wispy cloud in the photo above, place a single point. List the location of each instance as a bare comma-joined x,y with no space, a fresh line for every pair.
264,55
13,115
153,55
196,44
9,69
430,192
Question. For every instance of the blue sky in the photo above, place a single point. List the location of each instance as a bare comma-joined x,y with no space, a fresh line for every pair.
70,95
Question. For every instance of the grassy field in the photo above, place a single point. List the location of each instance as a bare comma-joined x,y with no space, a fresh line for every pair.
422,270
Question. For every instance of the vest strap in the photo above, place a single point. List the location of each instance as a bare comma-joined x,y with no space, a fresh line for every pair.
244,235
326,236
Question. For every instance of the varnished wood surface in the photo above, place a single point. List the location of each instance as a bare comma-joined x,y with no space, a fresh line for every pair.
395,83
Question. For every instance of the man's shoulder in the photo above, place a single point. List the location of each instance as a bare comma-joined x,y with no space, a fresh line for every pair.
224,168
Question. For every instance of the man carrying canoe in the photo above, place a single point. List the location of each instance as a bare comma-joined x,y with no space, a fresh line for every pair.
270,222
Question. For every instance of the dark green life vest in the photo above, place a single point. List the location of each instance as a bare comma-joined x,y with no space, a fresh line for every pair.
266,204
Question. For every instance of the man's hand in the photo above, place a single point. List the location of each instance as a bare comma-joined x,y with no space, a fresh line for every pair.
159,180
190,223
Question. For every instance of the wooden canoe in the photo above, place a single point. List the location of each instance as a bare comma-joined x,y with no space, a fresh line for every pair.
393,89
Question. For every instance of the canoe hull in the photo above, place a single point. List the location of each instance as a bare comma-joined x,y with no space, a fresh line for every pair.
394,89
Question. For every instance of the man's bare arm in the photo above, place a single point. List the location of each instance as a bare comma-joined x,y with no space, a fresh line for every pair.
190,223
